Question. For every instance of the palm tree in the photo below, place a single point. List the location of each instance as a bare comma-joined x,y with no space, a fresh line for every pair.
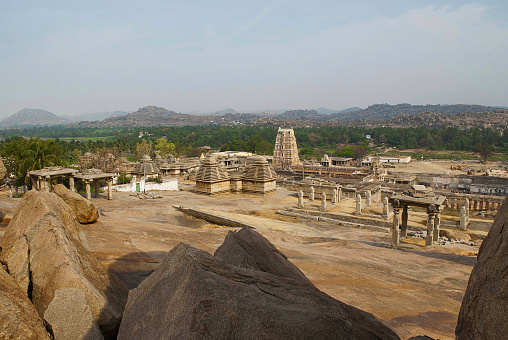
37,155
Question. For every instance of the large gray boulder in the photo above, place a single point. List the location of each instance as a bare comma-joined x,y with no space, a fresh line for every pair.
43,251
248,249
193,295
484,310
18,317
84,209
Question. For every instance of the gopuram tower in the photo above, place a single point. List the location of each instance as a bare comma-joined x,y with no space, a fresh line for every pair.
285,154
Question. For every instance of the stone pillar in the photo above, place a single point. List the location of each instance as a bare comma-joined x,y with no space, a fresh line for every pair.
385,207
339,194
334,196
463,218
300,199
110,189
368,197
358,205
96,182
395,224
431,213
475,204
403,226
34,183
454,206
323,201
72,187
311,193
437,224
15,190
10,191
88,193
24,188
467,207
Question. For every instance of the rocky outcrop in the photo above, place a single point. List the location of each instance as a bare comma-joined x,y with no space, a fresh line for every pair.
193,295
248,249
70,316
484,310
43,251
3,170
83,208
18,317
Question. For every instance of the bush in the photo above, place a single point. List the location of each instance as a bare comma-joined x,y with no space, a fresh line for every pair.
124,179
154,179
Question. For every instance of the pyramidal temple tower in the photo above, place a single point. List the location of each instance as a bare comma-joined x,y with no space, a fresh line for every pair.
285,154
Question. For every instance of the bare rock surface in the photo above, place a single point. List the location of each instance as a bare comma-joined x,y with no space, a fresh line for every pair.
18,317
57,259
193,295
246,248
70,316
83,208
484,310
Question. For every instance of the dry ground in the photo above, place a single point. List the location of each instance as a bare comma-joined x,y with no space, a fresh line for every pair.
413,290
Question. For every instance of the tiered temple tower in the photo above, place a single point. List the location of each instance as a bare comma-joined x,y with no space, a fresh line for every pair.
285,154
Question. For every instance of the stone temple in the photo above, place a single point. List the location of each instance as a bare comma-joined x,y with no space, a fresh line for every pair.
212,178
285,154
260,177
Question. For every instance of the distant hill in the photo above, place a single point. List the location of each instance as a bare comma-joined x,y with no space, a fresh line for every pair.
351,109
302,115
497,119
325,111
96,116
386,111
225,111
31,117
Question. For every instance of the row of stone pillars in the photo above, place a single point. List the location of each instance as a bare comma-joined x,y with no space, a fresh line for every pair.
473,204
43,184
88,182
433,223
334,198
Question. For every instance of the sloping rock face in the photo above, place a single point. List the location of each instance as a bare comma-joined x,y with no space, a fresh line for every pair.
248,249
83,208
18,317
484,310
70,316
3,170
193,295
43,251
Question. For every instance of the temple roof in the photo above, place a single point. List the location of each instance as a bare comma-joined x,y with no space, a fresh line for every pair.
145,167
260,171
211,171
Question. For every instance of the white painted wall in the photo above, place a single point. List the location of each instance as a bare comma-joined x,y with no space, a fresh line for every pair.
170,184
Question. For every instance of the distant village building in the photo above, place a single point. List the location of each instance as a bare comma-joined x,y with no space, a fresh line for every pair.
336,161
285,153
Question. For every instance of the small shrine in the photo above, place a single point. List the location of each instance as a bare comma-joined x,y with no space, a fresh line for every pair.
260,178
212,178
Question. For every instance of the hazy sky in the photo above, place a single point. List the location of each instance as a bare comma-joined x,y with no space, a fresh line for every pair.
70,57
